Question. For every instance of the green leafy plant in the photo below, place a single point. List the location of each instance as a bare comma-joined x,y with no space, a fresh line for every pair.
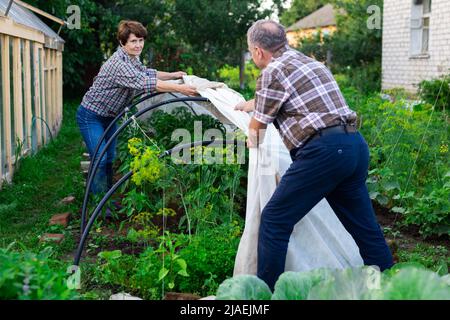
25,275
436,91
174,265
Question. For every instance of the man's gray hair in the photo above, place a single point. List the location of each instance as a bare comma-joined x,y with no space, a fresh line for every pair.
267,34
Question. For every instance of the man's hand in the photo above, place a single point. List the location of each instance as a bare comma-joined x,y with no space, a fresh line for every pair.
256,132
177,75
187,90
246,106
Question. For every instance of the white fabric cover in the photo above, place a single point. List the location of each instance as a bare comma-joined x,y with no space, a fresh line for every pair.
319,239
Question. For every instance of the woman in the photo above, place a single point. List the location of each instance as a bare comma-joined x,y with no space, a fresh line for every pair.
120,78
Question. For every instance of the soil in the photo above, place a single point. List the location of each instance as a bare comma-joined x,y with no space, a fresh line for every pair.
406,237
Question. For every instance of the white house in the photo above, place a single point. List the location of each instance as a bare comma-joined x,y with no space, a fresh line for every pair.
416,42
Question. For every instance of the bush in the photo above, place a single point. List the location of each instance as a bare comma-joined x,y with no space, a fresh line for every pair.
437,92
30,276
210,258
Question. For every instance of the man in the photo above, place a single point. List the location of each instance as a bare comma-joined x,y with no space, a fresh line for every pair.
330,158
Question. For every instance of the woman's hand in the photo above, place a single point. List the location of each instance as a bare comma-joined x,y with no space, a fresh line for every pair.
177,75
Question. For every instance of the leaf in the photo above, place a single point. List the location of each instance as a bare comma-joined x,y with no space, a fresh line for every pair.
171,285
373,195
416,284
398,210
391,185
383,200
182,263
296,285
183,273
110,255
162,273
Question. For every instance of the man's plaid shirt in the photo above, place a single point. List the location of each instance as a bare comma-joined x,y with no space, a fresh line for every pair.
119,80
301,96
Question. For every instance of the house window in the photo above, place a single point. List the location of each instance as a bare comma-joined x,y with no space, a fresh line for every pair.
420,27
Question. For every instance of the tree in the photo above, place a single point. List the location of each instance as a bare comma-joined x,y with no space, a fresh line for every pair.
84,49
215,31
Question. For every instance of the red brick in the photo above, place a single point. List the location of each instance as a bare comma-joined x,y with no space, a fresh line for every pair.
60,219
57,237
68,200
180,296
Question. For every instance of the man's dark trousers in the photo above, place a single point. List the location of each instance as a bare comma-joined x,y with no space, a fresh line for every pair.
333,167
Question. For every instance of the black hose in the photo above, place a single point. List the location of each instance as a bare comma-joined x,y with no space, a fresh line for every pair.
116,133
46,124
113,189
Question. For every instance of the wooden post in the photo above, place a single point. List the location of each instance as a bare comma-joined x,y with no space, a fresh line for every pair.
6,103
54,92
38,94
18,100
27,90
59,83
43,94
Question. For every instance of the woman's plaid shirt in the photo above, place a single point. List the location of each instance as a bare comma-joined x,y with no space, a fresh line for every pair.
119,80
301,96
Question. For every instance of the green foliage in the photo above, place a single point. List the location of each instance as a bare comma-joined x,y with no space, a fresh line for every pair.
215,30
163,125
435,258
196,36
30,276
207,194
436,92
174,265
32,198
409,160
84,48
210,256
230,75
194,265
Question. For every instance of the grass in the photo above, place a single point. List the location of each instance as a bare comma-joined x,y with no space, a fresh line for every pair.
42,180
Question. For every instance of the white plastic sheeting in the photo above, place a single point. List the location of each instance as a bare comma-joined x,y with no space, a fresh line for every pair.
319,239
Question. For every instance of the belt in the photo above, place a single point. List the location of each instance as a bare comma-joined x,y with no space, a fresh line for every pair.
340,128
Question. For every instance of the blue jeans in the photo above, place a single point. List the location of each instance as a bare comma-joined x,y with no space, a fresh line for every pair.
334,167
92,127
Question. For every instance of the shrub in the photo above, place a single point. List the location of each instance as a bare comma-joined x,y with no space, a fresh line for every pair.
436,91
33,276
210,258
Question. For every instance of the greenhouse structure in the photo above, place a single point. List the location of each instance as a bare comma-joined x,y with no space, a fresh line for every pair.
30,80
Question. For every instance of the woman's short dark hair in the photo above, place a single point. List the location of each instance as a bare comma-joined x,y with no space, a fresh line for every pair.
127,27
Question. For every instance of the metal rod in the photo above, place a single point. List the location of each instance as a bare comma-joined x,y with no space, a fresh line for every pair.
116,133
